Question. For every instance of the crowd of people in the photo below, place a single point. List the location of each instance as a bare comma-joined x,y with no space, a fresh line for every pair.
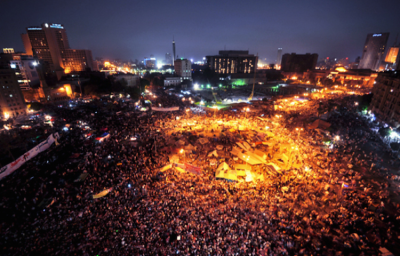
331,207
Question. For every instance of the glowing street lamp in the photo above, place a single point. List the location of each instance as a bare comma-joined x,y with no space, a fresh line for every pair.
298,130
184,154
246,110
215,109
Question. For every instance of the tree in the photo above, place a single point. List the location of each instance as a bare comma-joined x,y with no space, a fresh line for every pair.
364,101
144,83
384,131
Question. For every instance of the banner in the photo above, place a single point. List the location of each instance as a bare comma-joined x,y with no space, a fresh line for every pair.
11,167
193,169
189,168
102,193
165,109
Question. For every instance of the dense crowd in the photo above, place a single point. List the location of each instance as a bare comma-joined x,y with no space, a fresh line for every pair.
329,208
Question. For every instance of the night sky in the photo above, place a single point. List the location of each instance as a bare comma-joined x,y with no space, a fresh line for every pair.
136,29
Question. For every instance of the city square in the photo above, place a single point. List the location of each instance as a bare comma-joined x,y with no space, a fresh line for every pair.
208,128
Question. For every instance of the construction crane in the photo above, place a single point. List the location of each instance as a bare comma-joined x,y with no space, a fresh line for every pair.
254,82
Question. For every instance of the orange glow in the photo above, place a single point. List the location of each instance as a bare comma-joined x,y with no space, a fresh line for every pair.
392,55
67,70
341,69
294,78
68,90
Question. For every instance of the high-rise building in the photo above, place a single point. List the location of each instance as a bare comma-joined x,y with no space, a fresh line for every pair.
49,43
374,50
8,50
173,50
279,58
12,101
150,62
168,59
78,60
233,62
183,68
298,62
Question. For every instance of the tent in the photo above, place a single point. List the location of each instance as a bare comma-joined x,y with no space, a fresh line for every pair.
213,153
250,158
190,147
260,154
273,168
203,140
319,124
224,172
180,142
241,169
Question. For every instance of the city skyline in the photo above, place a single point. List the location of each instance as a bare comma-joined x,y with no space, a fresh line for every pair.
200,29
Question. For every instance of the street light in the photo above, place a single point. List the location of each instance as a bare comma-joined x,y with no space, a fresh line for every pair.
184,154
246,110
247,159
298,134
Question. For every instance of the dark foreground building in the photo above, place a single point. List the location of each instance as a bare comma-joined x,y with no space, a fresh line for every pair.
386,100
299,62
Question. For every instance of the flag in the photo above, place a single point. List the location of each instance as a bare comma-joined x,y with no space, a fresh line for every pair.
193,169
102,193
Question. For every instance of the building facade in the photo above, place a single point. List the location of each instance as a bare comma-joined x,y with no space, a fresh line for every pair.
131,80
343,76
150,62
12,103
392,58
25,70
279,58
171,81
233,62
298,62
183,68
77,60
49,43
168,59
385,103
8,50
374,51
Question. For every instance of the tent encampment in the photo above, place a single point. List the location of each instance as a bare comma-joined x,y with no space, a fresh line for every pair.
319,124
224,172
